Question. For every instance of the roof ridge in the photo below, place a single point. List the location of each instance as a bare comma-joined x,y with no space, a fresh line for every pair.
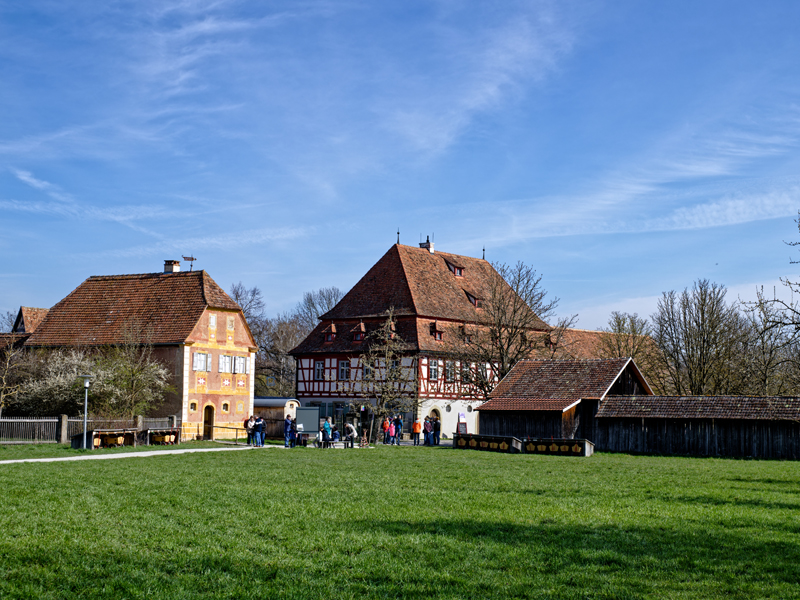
405,280
142,275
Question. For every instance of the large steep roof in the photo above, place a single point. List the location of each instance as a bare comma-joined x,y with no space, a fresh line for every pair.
545,384
99,310
417,282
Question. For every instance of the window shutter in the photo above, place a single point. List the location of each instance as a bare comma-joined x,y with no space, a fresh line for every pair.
221,363
195,361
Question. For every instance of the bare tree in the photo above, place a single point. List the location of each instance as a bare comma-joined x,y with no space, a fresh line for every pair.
250,300
130,381
7,320
629,335
512,326
388,373
275,368
10,363
699,337
315,304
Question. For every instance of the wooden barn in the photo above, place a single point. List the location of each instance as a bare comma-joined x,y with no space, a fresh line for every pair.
273,409
556,398
737,426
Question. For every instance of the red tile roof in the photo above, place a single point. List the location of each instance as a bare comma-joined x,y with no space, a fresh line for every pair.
29,318
539,384
98,311
701,407
415,282
421,289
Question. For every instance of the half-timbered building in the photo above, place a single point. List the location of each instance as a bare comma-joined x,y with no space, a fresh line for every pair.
434,297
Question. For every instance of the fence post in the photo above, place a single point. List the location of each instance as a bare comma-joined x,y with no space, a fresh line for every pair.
139,423
64,429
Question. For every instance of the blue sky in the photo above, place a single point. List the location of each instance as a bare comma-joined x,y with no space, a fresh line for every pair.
621,148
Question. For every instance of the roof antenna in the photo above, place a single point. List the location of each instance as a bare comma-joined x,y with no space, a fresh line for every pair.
191,260
398,235
484,252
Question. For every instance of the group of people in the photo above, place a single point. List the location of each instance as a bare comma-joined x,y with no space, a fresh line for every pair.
329,434
392,430
256,429
431,427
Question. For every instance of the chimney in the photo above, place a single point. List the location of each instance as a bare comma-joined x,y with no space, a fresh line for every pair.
427,244
172,266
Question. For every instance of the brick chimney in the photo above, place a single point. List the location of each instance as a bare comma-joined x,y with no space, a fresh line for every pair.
172,266
427,244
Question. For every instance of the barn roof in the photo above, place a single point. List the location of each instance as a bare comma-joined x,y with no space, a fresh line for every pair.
99,310
701,407
541,384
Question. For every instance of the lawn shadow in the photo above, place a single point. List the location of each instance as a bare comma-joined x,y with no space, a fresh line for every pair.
610,561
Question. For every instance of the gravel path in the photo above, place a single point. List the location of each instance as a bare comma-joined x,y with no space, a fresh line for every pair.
127,455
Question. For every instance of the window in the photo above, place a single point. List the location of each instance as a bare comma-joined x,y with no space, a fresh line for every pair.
448,408
449,372
329,337
231,321
240,364
484,372
476,302
201,361
469,408
358,336
465,374
193,407
212,321
225,363
319,370
367,371
437,336
226,407
433,370
457,271
344,370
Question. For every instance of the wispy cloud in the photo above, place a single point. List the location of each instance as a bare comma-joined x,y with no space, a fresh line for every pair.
478,76
230,242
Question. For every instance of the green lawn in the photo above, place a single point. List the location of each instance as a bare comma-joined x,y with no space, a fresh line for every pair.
400,522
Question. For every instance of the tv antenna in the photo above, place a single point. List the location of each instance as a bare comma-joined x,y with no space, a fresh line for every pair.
191,260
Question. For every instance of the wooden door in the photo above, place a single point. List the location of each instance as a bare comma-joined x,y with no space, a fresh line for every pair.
208,423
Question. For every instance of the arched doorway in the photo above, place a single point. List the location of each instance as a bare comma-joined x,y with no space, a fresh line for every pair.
208,422
435,413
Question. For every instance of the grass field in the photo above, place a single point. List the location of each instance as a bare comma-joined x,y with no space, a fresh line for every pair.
400,523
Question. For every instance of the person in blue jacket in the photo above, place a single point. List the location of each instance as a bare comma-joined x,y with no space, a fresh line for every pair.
287,431
258,431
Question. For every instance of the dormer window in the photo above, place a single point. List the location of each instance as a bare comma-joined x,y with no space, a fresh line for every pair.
455,269
436,331
476,302
330,333
359,332
329,337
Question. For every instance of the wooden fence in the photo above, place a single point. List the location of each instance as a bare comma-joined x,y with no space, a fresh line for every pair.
44,430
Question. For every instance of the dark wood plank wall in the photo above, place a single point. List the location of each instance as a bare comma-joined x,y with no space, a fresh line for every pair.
521,424
698,437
